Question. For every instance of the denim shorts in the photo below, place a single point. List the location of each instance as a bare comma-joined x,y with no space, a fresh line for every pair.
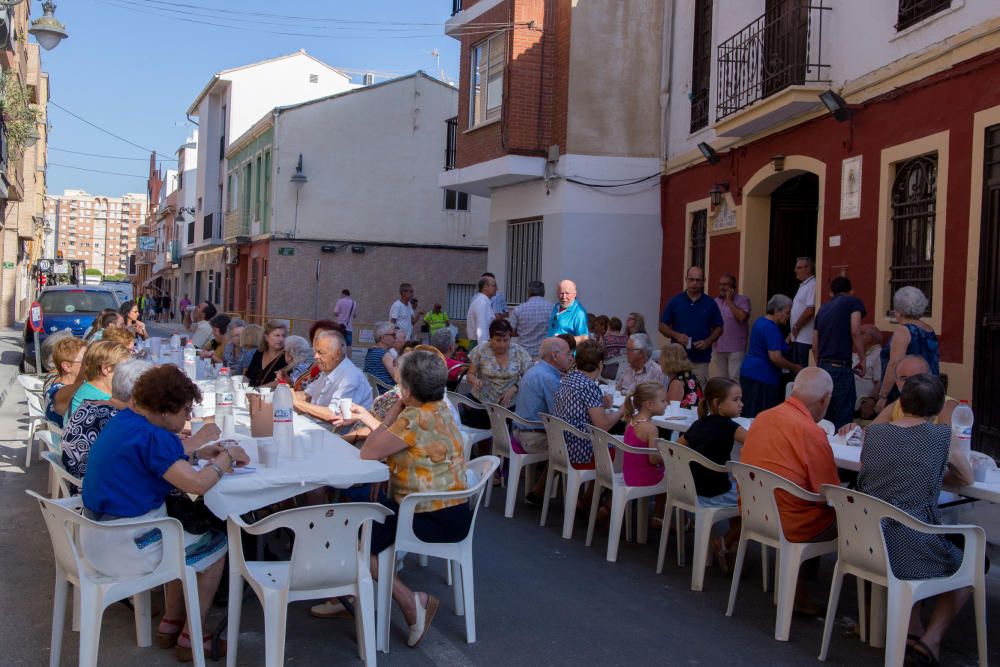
727,499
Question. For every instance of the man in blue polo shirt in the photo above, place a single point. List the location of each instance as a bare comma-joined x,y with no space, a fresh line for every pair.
568,316
693,320
836,335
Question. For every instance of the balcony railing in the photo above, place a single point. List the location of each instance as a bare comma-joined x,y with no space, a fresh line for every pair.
456,6
782,48
175,252
237,224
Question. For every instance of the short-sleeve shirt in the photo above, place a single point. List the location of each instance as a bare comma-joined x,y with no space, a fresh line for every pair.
479,318
805,298
433,459
631,378
787,441
833,324
571,321
402,313
126,465
765,336
537,392
499,303
696,319
344,381
734,334
374,365
345,311
81,434
498,378
712,437
50,397
531,320
86,392
574,398
436,321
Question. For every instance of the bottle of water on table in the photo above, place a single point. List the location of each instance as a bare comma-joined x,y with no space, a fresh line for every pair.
190,361
961,427
283,433
224,397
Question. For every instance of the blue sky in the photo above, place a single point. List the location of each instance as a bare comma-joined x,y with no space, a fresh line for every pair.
134,66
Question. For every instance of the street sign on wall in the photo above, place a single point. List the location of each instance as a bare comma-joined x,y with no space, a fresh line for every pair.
286,251
147,243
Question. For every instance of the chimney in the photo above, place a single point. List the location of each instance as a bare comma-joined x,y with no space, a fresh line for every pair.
368,79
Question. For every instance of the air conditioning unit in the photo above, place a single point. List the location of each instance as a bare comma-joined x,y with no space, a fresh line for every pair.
231,255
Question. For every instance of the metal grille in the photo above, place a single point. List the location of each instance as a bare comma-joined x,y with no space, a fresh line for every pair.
451,140
524,258
914,203
206,231
459,295
699,238
252,290
782,48
912,12
701,64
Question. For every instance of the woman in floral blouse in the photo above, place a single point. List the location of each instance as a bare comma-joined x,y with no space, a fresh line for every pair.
494,372
682,385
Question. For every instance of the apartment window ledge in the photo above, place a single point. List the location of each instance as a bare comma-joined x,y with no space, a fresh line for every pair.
479,126
955,6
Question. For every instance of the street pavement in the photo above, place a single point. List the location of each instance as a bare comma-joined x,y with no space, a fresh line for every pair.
540,600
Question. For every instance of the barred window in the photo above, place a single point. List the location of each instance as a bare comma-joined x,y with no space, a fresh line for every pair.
459,296
524,258
701,64
699,238
912,12
914,206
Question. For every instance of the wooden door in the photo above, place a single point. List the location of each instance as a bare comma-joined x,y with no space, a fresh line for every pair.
794,206
986,390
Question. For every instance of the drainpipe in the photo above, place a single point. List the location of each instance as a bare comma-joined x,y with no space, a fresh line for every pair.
666,63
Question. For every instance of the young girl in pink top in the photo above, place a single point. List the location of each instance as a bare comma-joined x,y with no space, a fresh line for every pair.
648,399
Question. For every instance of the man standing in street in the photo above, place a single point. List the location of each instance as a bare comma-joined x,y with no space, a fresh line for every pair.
728,352
803,311
344,313
436,320
401,312
836,334
531,319
499,300
481,315
568,316
693,320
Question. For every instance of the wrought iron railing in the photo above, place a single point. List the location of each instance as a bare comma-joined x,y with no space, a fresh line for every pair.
782,48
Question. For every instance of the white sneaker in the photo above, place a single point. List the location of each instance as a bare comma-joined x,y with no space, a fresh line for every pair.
329,610
424,617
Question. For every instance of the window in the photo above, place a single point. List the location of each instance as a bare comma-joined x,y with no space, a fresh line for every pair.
914,202
912,12
206,232
524,258
456,201
699,238
488,61
257,194
701,64
451,140
266,214
314,78
459,296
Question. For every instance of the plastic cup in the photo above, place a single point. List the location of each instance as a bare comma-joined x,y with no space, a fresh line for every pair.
154,347
267,453
316,441
345,407
299,445
675,407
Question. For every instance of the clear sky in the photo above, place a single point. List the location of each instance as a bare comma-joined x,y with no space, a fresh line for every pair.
134,66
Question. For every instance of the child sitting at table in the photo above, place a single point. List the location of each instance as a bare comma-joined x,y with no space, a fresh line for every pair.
712,436
647,400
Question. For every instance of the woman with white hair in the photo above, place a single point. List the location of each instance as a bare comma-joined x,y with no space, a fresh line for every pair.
298,360
378,360
913,337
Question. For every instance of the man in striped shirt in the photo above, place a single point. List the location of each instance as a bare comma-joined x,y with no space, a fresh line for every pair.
530,319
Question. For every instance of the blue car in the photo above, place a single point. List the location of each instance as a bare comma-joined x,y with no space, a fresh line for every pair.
67,307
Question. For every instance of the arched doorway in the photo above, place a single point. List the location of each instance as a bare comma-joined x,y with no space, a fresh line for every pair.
793,231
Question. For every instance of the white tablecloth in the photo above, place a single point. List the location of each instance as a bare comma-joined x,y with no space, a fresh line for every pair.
337,463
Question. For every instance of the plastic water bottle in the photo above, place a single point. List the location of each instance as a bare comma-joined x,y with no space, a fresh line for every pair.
961,427
224,396
175,342
283,433
190,361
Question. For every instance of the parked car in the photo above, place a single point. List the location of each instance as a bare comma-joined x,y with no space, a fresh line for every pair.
66,307
122,288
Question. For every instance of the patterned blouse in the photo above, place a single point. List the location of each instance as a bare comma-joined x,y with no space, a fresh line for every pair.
576,394
433,459
496,378
692,390
81,432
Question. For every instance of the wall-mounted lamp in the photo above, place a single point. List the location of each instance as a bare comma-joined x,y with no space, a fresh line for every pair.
299,177
836,105
778,162
715,194
358,249
710,155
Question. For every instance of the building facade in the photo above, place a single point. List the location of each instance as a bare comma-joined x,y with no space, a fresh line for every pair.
559,123
898,186
97,229
341,192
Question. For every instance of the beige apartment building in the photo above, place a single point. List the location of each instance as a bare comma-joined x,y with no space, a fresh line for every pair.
99,230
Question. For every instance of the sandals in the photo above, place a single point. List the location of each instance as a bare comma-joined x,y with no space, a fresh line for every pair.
918,653
185,654
169,639
424,617
721,552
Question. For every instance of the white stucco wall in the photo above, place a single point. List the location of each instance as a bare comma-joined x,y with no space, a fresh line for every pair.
859,37
610,245
372,158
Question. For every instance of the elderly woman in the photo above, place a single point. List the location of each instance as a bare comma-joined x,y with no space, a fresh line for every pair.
641,367
635,323
130,311
760,372
120,336
67,356
93,383
136,461
270,356
682,385
298,361
905,463
494,372
48,364
231,348
579,401
379,362
913,337
109,317
422,445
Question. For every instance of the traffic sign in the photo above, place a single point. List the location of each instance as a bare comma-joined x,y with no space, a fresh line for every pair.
36,320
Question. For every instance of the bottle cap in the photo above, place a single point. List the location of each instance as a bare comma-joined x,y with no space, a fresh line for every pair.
963,402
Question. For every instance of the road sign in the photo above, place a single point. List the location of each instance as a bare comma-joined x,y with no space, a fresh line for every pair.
285,250
36,321
61,268
44,265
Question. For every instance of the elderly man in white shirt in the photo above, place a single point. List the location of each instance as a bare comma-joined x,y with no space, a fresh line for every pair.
339,378
641,367
481,315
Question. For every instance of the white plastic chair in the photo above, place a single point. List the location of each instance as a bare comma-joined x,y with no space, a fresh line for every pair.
33,383
517,461
326,561
762,524
573,478
63,482
98,591
682,495
36,413
457,554
862,553
474,434
609,476
378,387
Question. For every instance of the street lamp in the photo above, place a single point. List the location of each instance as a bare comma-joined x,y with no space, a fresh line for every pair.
46,28
298,179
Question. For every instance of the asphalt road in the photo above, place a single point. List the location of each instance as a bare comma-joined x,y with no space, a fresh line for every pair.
540,600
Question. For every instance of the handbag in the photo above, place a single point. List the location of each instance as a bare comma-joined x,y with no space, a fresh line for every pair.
194,516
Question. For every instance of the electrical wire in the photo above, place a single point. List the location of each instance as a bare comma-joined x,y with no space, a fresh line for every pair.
111,157
94,171
108,132
570,179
